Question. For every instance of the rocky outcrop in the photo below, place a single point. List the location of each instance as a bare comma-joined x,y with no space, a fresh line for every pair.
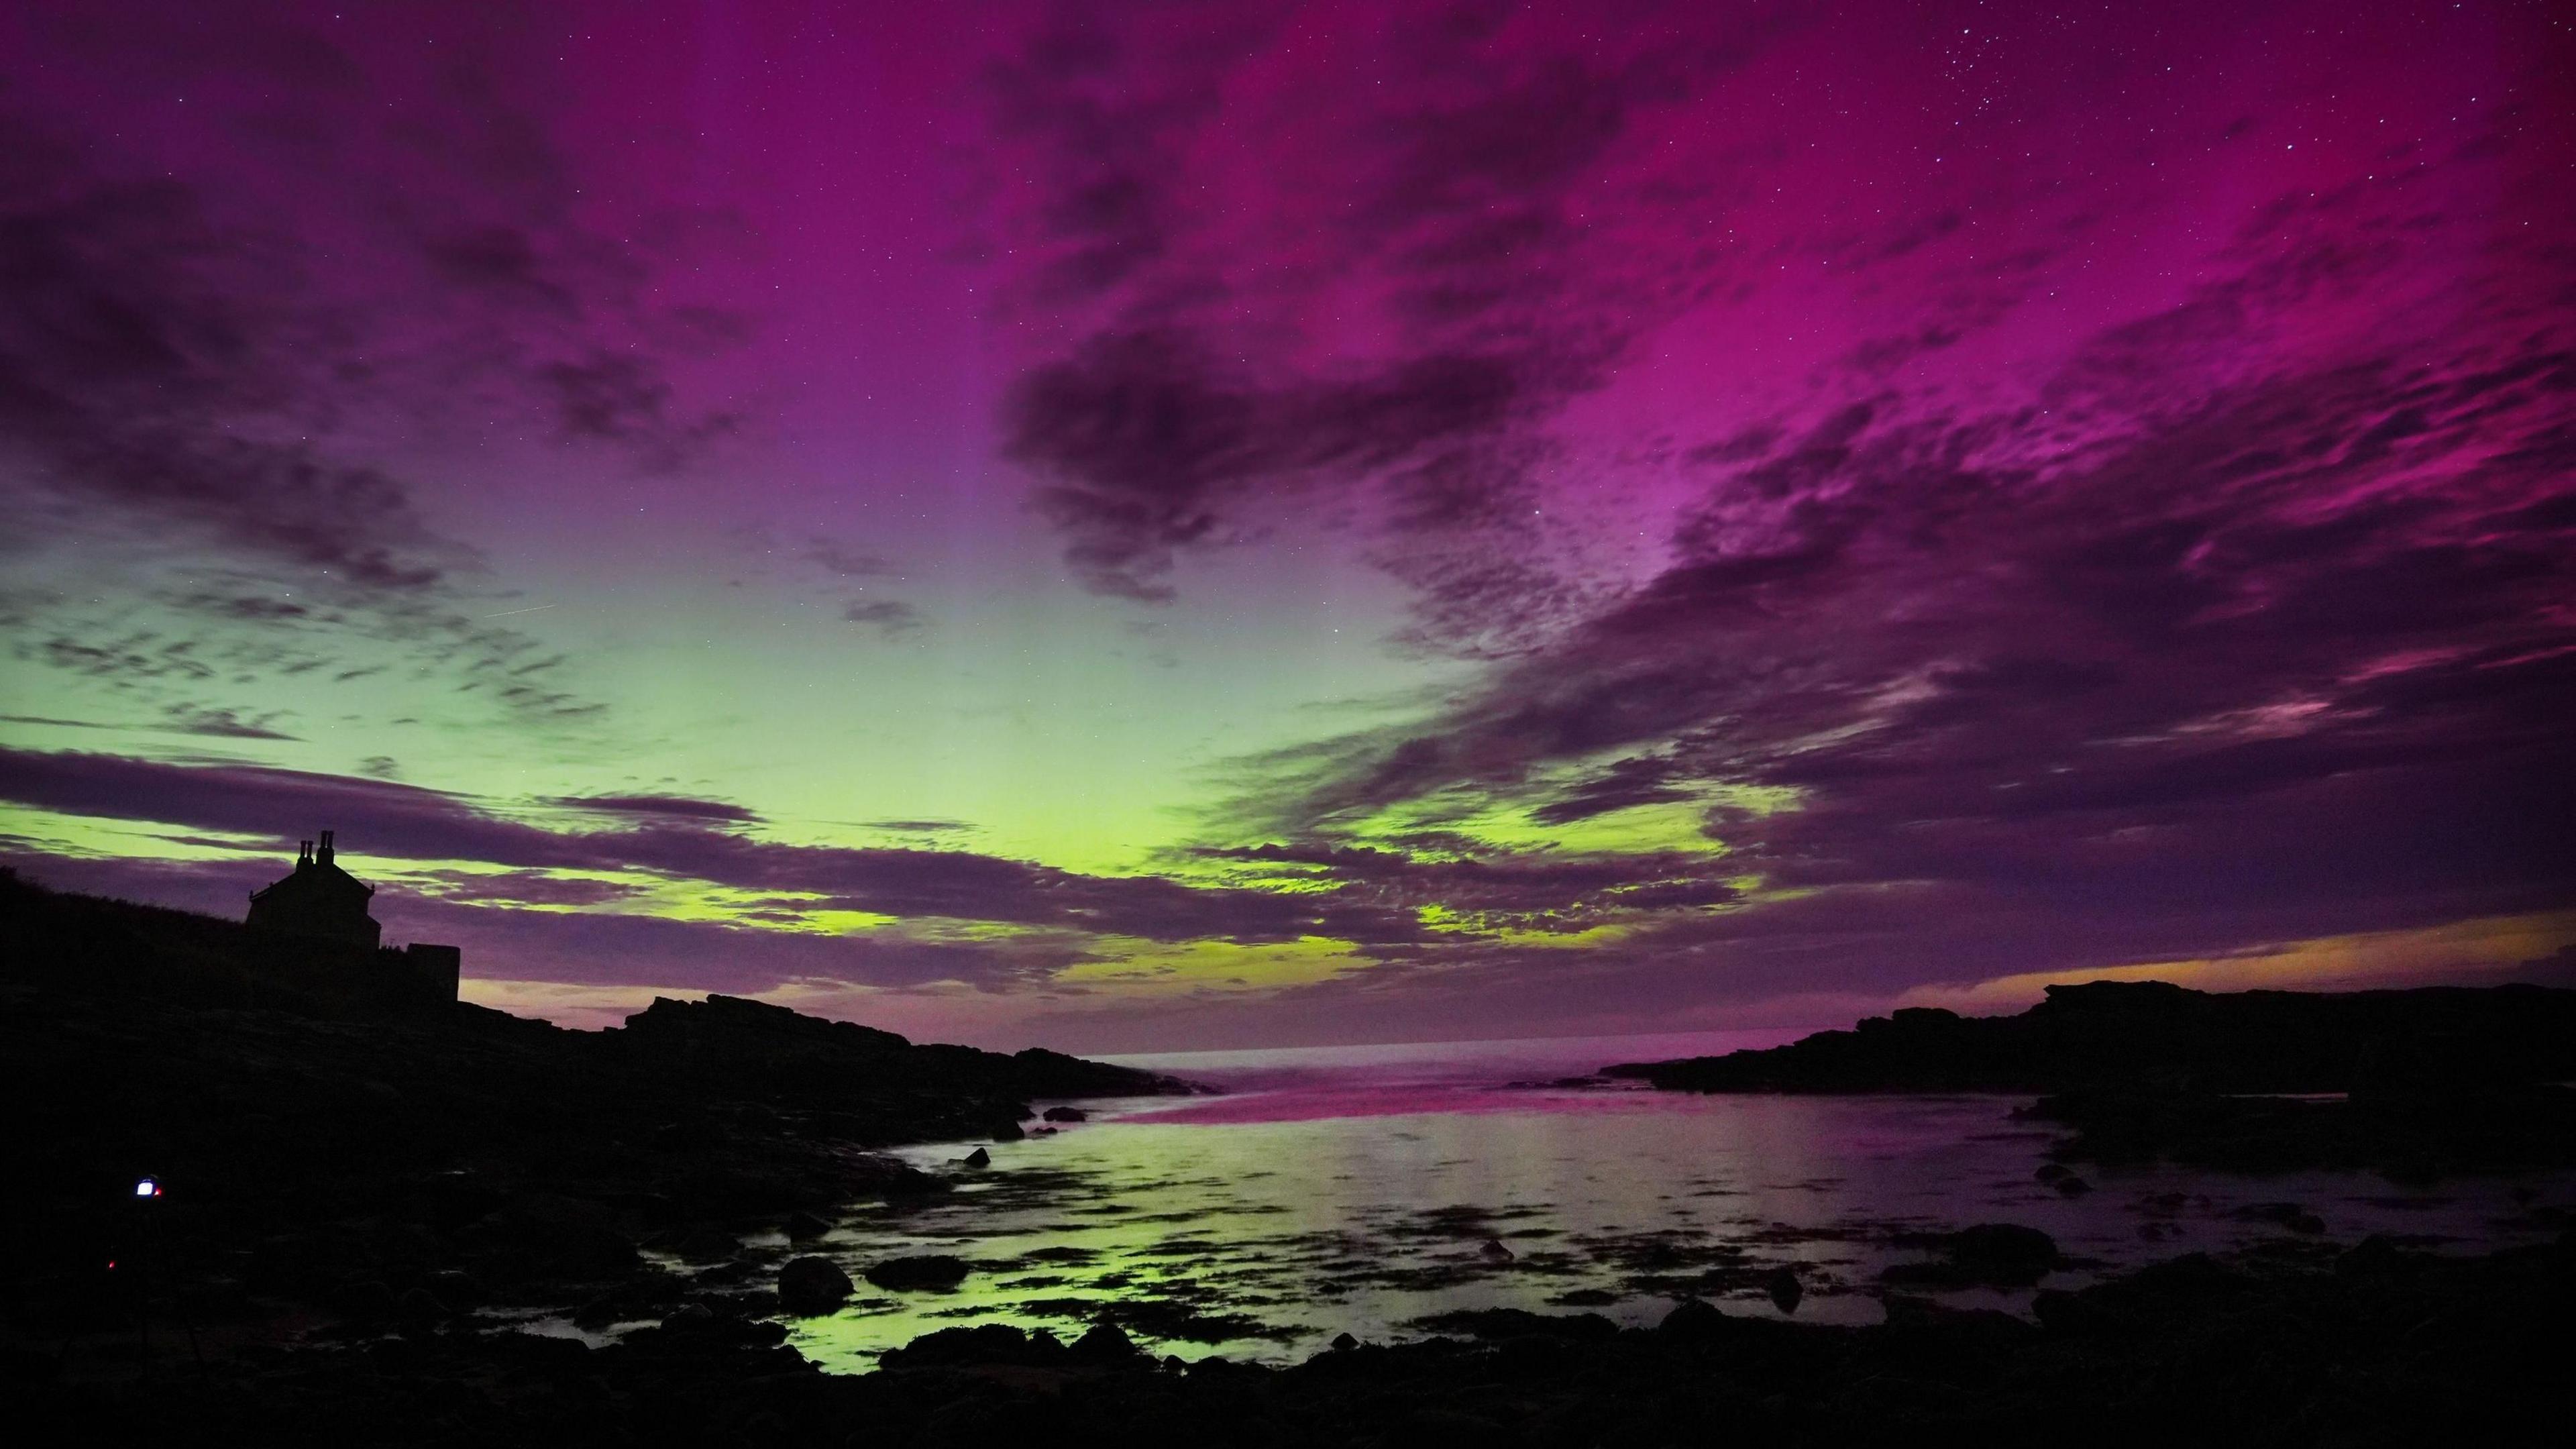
2150,1034
2424,1083
310,1144
2384,1346
808,1286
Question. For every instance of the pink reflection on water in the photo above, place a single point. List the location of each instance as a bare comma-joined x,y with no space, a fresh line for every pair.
1308,1084
1395,1099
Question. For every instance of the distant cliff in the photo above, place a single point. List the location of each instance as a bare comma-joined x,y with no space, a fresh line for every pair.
2151,1034
275,1093
2424,1083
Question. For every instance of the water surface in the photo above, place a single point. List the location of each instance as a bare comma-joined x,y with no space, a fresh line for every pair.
1359,1190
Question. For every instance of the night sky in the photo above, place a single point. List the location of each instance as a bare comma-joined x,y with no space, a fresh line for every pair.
1166,525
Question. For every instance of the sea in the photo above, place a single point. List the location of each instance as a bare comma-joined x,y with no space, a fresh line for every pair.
1375,1190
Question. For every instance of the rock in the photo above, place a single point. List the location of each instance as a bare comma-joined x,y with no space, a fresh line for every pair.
421,1306
2371,1257
985,1343
1493,1251
2072,1186
689,1316
708,1244
977,1158
801,1227
930,1270
1508,1323
1695,1318
811,1286
1065,1114
365,1301
546,1236
1010,1132
1106,1342
457,1288
648,1294
2288,1216
1785,1289
2009,1251
1344,1343
1999,1255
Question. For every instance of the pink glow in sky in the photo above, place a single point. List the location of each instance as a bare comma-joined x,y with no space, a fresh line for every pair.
1191,525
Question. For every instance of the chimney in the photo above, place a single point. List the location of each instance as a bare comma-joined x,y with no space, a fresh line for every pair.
324,857
303,854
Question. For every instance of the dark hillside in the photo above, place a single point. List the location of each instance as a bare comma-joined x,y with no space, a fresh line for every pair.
312,1133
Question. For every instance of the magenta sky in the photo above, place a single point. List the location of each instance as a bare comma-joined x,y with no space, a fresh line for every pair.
1172,525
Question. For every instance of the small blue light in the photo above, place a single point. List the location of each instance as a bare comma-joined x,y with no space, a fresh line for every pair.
147,1187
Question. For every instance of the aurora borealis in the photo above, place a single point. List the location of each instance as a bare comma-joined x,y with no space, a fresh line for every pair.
1155,526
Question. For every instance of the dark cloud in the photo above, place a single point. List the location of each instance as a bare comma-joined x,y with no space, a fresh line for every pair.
2270,667
891,618
1489,890
492,917
675,806
225,724
1151,440
1463,204
843,561
192,361
398,821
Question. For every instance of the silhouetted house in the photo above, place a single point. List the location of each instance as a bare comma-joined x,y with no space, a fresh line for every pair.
322,902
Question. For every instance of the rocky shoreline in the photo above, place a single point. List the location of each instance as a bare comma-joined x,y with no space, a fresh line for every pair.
362,1211
2371,1345
2416,1084
321,1159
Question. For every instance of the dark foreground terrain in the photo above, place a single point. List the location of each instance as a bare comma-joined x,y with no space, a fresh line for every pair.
356,1192
2374,1346
2415,1084
328,1153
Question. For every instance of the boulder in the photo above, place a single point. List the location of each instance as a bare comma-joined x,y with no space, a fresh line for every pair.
419,1305
977,1158
363,1301
2287,1216
457,1288
1994,1255
930,1270
1106,1342
1010,1132
985,1343
2004,1252
2371,1257
705,1245
1493,1251
1695,1318
1344,1343
1065,1114
1785,1289
689,1316
811,1286
546,1236
1509,1323
800,1227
